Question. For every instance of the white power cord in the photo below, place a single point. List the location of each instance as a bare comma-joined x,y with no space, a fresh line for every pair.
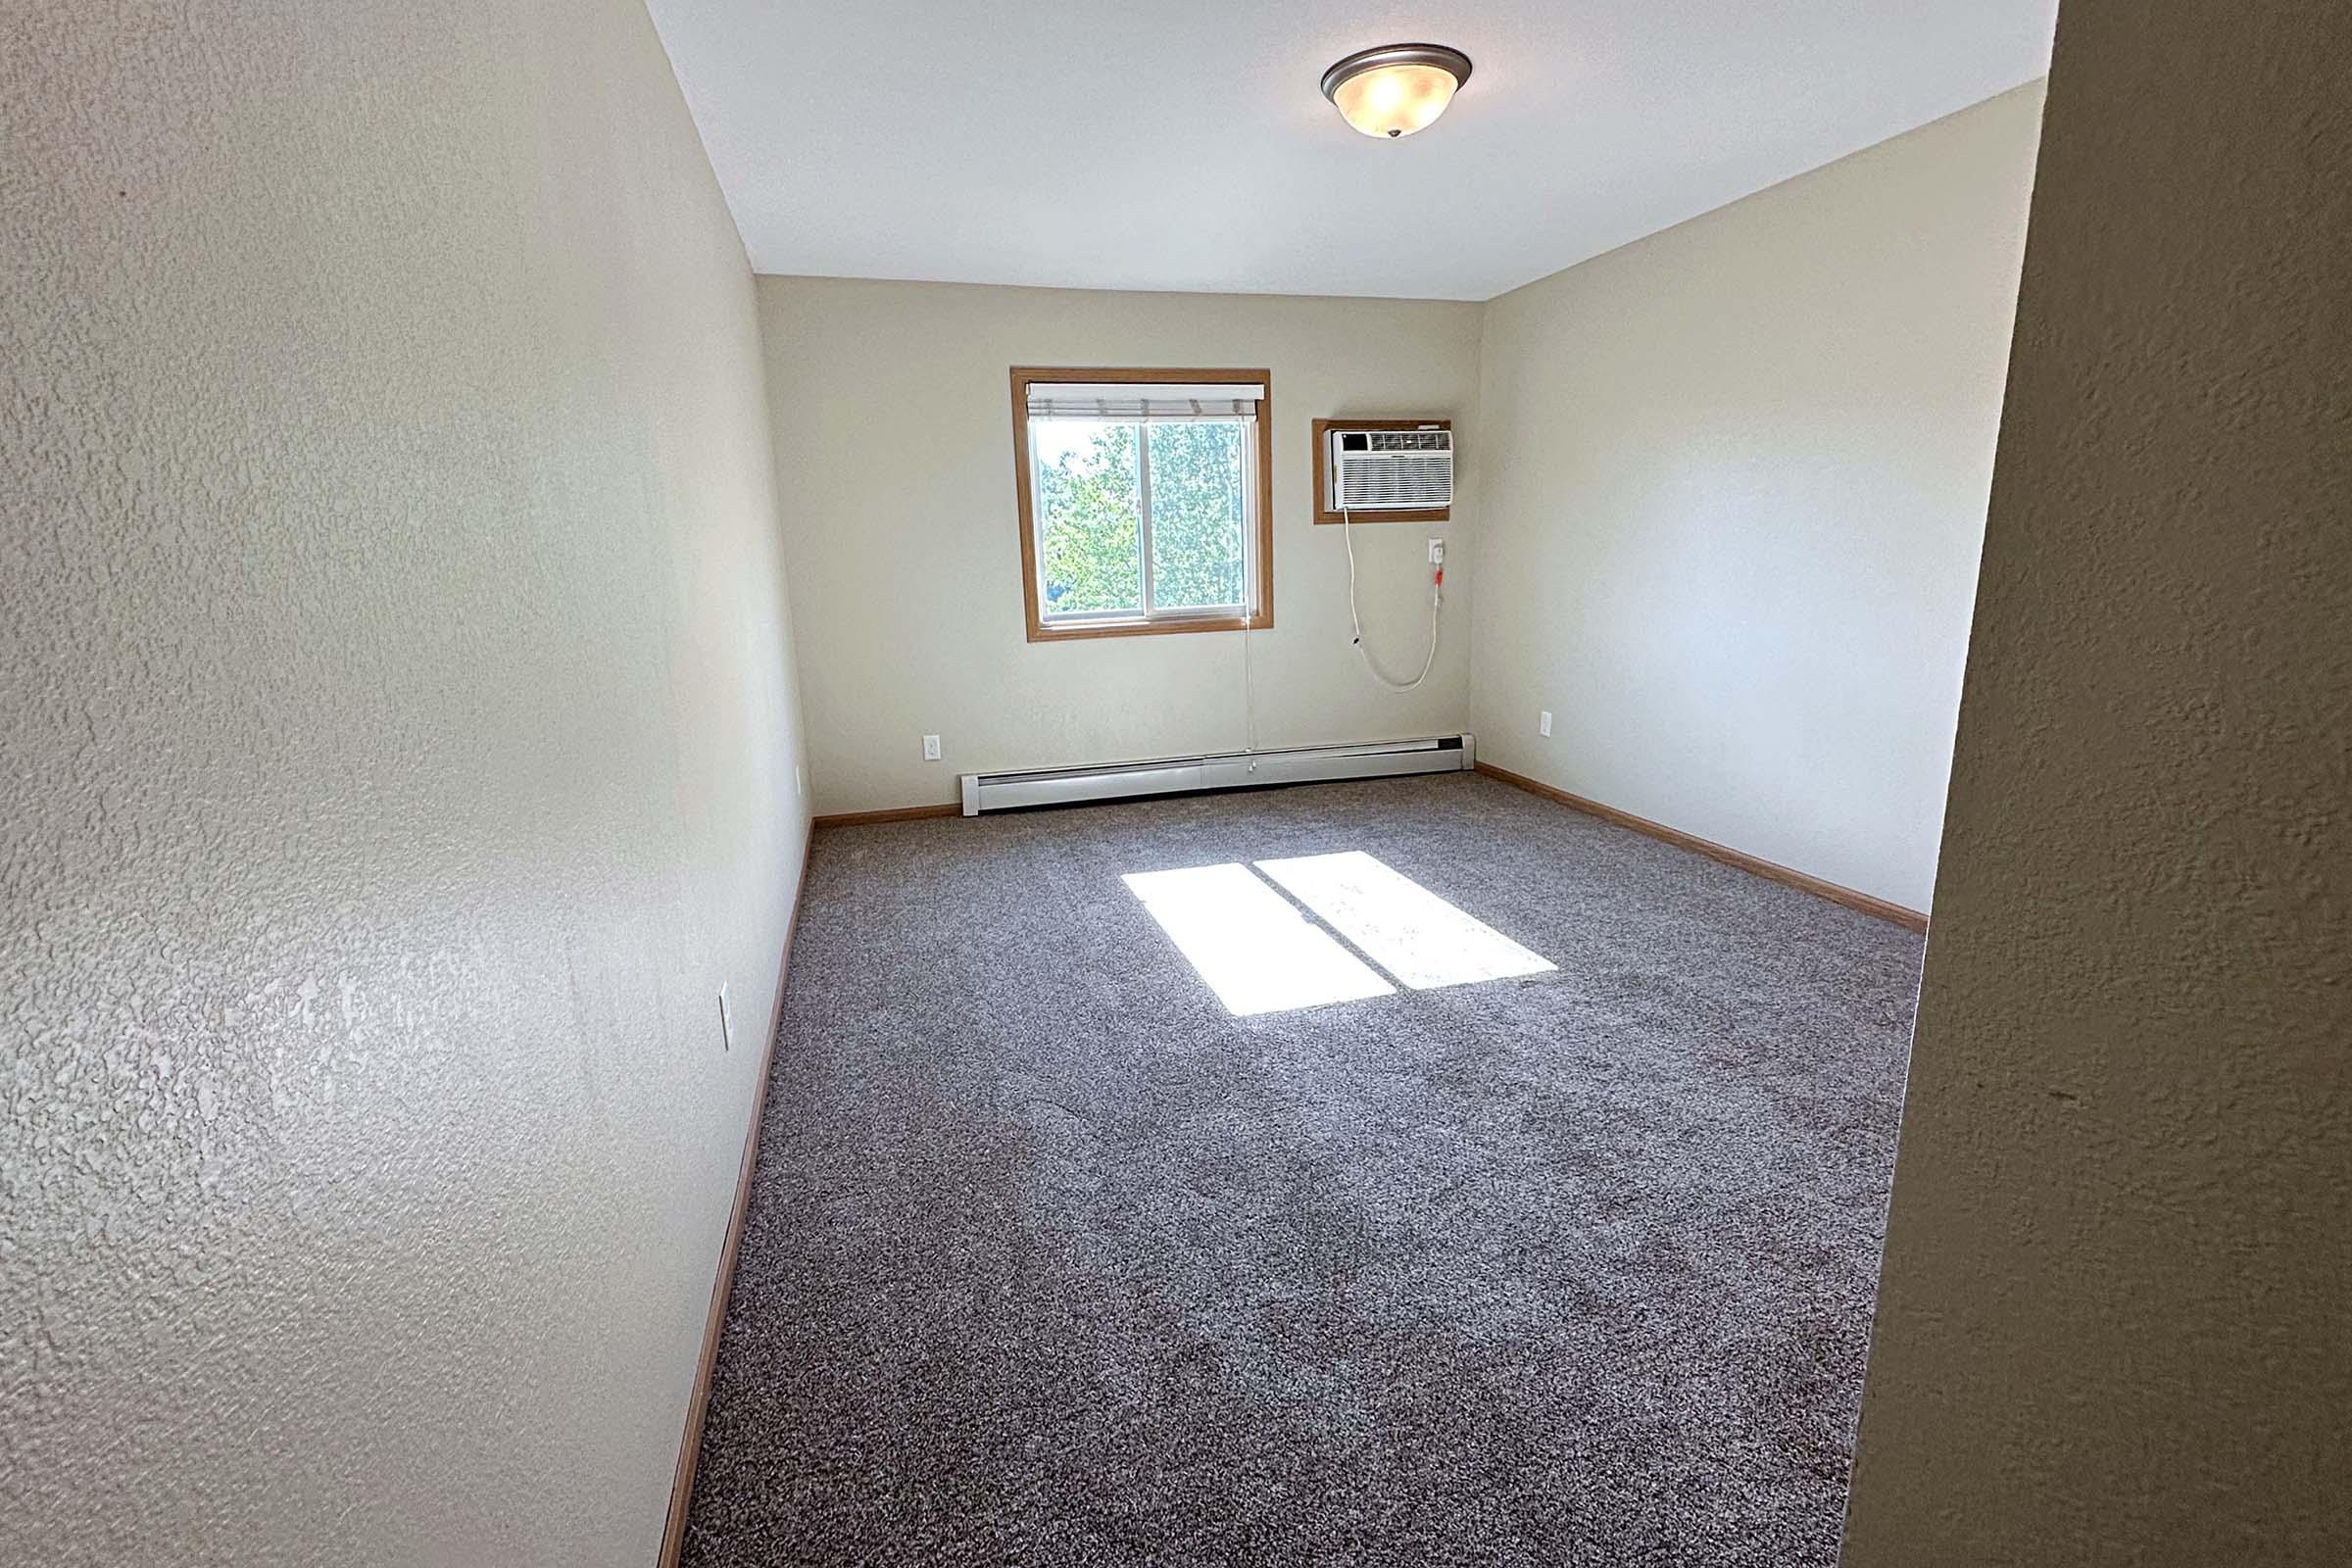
1354,621
1249,696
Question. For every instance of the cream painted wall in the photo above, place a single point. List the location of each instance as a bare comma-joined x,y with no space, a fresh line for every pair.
399,747
893,460
2115,1325
1733,485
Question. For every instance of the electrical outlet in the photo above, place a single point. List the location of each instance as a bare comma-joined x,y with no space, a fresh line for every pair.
930,748
1544,723
726,1019
1437,551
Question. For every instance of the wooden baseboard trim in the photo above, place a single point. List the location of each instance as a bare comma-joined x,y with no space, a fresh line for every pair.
690,1446
897,813
1878,908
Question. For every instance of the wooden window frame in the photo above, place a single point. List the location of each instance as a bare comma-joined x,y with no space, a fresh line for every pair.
1323,512
1256,618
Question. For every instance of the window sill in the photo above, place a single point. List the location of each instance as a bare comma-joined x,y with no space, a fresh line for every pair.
1075,631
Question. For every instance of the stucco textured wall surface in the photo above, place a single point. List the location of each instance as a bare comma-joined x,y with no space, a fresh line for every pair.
399,755
1736,477
2115,1324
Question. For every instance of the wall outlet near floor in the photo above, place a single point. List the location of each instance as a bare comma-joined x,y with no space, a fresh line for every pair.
1437,551
1544,722
930,748
726,1019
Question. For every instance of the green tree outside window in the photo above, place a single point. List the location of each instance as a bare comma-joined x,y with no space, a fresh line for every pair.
1090,489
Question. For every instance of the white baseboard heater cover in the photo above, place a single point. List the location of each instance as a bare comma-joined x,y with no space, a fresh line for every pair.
1223,770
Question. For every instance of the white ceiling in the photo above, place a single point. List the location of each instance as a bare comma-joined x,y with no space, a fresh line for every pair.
1184,145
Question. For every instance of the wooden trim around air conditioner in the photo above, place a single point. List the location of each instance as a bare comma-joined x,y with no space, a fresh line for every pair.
1324,513
1258,618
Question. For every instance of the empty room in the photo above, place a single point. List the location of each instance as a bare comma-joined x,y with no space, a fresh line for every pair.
1214,785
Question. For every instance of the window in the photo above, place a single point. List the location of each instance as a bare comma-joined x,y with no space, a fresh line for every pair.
1146,501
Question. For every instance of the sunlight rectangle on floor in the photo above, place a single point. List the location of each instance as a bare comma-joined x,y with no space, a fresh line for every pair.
1254,951
1407,930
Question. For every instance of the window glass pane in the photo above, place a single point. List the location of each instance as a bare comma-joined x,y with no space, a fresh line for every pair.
1088,503
1198,515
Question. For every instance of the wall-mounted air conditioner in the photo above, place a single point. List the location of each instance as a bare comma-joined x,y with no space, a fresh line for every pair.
1390,470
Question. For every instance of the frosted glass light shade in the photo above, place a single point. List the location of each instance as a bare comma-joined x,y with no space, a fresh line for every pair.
1394,100
1397,89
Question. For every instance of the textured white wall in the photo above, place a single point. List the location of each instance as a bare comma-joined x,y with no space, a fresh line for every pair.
399,748
894,459
1734,480
2115,1320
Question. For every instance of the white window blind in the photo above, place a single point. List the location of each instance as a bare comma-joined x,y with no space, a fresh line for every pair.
1141,400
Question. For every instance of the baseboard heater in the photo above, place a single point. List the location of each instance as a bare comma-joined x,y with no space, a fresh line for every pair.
1222,770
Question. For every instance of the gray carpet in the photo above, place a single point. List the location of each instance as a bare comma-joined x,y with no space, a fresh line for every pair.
1051,1260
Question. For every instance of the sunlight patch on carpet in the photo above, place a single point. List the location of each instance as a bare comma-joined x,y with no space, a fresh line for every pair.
1259,954
1255,950
1416,936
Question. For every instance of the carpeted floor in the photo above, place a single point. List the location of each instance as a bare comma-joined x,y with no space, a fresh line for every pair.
1052,1260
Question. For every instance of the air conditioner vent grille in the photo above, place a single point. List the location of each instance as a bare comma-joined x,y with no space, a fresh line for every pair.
1391,483
1411,440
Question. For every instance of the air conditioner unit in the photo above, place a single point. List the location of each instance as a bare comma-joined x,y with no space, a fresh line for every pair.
1390,470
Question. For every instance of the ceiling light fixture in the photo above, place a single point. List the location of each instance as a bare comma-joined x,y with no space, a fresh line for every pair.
1398,88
